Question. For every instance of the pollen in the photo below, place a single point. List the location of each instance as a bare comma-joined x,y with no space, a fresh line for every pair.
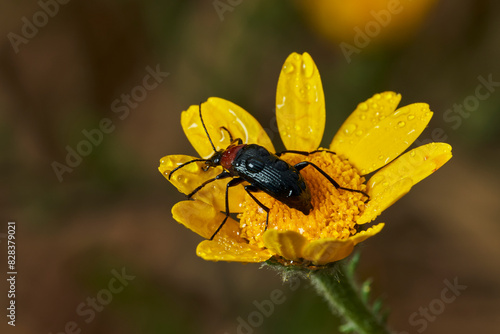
335,211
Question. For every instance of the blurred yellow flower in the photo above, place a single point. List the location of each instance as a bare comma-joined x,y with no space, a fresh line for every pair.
374,135
385,21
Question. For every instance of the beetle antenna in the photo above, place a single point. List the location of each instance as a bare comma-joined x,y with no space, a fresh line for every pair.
206,131
182,165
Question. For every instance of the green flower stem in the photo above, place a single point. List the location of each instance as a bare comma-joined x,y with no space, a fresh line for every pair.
339,290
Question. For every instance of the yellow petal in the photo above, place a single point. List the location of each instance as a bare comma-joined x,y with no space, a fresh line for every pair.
363,235
187,178
384,199
288,244
393,181
329,250
362,119
204,220
300,104
218,113
373,135
227,250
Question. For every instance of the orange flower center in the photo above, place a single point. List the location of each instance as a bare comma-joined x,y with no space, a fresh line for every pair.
334,213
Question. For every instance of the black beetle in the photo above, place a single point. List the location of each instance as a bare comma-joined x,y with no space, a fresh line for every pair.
264,171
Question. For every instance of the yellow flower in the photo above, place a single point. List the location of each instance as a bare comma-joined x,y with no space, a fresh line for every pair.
373,136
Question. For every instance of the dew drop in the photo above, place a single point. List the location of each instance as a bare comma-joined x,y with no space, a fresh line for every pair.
412,153
401,124
362,117
363,106
359,133
411,117
288,68
381,157
350,128
307,66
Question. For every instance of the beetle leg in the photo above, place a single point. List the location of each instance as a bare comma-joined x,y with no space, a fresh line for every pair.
303,152
231,183
250,188
222,175
303,164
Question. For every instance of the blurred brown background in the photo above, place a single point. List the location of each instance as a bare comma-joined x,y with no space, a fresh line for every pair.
66,67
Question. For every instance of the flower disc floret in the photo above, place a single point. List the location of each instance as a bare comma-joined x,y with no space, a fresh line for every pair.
334,213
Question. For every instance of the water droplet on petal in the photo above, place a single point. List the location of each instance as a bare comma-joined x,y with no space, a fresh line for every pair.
350,128
307,66
288,68
363,106
412,153
411,117
401,124
359,133
362,117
